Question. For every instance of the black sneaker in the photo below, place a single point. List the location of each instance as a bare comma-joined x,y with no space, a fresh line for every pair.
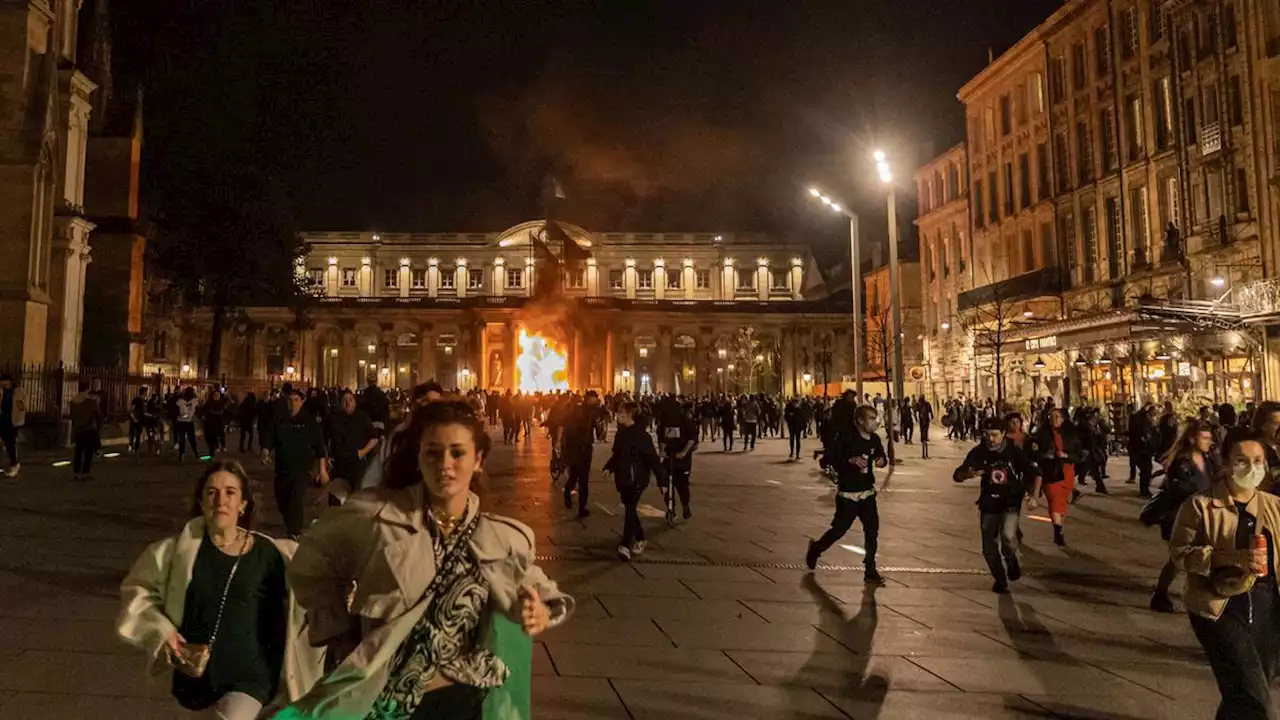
568,501
1000,588
1015,570
871,577
811,557
1059,538
584,513
1161,603
687,512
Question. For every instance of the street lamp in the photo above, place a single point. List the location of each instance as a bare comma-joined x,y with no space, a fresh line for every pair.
1219,281
722,353
886,177
855,263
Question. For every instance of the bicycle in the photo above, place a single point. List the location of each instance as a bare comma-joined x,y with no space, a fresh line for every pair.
667,488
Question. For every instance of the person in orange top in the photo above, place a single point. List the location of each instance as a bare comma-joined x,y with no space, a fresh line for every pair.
1057,450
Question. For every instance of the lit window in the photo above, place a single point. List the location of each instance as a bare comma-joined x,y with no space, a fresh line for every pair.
778,279
419,279
702,279
448,278
391,277
746,279
348,277
615,279
515,278
475,279
675,277
315,277
644,279
578,279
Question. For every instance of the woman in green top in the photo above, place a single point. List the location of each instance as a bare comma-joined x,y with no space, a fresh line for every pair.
232,600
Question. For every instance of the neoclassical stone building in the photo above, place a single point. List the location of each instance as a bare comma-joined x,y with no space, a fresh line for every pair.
631,311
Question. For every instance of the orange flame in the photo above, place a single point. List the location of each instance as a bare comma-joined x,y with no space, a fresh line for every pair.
540,367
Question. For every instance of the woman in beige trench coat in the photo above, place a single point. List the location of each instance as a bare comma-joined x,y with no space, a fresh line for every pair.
403,583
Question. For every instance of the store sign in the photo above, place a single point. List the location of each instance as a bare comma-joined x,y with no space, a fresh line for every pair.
1044,343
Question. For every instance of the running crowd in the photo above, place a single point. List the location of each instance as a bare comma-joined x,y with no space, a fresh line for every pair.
405,600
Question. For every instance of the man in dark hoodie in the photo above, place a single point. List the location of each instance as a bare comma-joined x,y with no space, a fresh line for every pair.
854,450
633,460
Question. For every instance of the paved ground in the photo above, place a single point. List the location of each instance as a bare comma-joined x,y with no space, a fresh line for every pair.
718,620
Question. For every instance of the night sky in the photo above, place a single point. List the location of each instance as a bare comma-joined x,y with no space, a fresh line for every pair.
429,115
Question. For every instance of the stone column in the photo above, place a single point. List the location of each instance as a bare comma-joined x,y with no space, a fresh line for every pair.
349,368
257,353
393,364
576,381
666,378
788,362
482,371
426,355
659,280
607,380
513,352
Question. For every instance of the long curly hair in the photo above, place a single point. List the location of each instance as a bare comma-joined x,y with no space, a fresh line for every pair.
401,469
248,490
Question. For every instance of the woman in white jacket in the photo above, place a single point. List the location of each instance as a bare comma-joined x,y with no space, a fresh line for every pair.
212,604
411,587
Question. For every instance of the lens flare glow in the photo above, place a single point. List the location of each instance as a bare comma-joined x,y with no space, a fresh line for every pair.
541,365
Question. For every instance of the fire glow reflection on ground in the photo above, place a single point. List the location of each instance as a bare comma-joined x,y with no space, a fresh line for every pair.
540,367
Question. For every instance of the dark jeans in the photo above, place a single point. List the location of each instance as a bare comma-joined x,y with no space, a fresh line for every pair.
291,499
9,436
579,477
846,512
86,444
632,531
1144,473
794,442
1243,657
726,436
907,432
135,435
924,432
215,436
999,542
680,481
185,432
246,437
749,436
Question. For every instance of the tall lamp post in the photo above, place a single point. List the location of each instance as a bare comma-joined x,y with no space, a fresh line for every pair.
855,262
895,304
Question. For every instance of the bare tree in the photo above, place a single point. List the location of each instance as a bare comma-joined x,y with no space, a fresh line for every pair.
989,324
746,356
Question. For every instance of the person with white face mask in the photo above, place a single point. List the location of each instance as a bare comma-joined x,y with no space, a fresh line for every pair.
855,451
1224,540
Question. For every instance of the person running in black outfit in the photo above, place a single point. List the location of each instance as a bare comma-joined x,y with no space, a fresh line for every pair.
678,445
727,424
1007,472
854,451
633,460
577,438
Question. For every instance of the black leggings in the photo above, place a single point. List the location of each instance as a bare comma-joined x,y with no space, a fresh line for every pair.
185,432
632,531
794,441
1242,654
726,435
452,702
246,436
846,512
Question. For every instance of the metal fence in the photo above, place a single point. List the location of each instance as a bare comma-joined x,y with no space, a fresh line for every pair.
49,388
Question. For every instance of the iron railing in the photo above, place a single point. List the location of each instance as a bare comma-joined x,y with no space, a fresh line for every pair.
49,388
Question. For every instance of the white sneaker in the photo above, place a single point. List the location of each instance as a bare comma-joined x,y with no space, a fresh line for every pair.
624,553
638,548
13,471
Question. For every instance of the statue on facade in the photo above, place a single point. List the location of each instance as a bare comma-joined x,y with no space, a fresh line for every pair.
495,369
1172,249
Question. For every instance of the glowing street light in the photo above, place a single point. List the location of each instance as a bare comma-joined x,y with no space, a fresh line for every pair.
1027,314
855,270
1219,281
946,325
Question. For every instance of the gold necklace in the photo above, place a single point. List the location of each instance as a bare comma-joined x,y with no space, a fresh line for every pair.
230,542
447,523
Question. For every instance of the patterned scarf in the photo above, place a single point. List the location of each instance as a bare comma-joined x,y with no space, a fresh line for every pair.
416,662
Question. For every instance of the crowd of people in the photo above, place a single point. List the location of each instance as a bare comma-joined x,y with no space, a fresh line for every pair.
303,625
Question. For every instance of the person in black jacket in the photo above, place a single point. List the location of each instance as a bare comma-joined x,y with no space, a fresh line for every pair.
854,450
1006,473
678,443
576,439
1143,440
633,460
1190,468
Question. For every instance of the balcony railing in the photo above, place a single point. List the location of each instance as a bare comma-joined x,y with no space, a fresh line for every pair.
1210,138
1045,281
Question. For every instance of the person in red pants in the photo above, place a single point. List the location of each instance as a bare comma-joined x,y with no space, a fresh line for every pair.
1057,450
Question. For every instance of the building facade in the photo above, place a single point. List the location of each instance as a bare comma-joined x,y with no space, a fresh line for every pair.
1120,203
946,271
657,312
44,233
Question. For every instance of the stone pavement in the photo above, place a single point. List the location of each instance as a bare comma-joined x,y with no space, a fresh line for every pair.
719,619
